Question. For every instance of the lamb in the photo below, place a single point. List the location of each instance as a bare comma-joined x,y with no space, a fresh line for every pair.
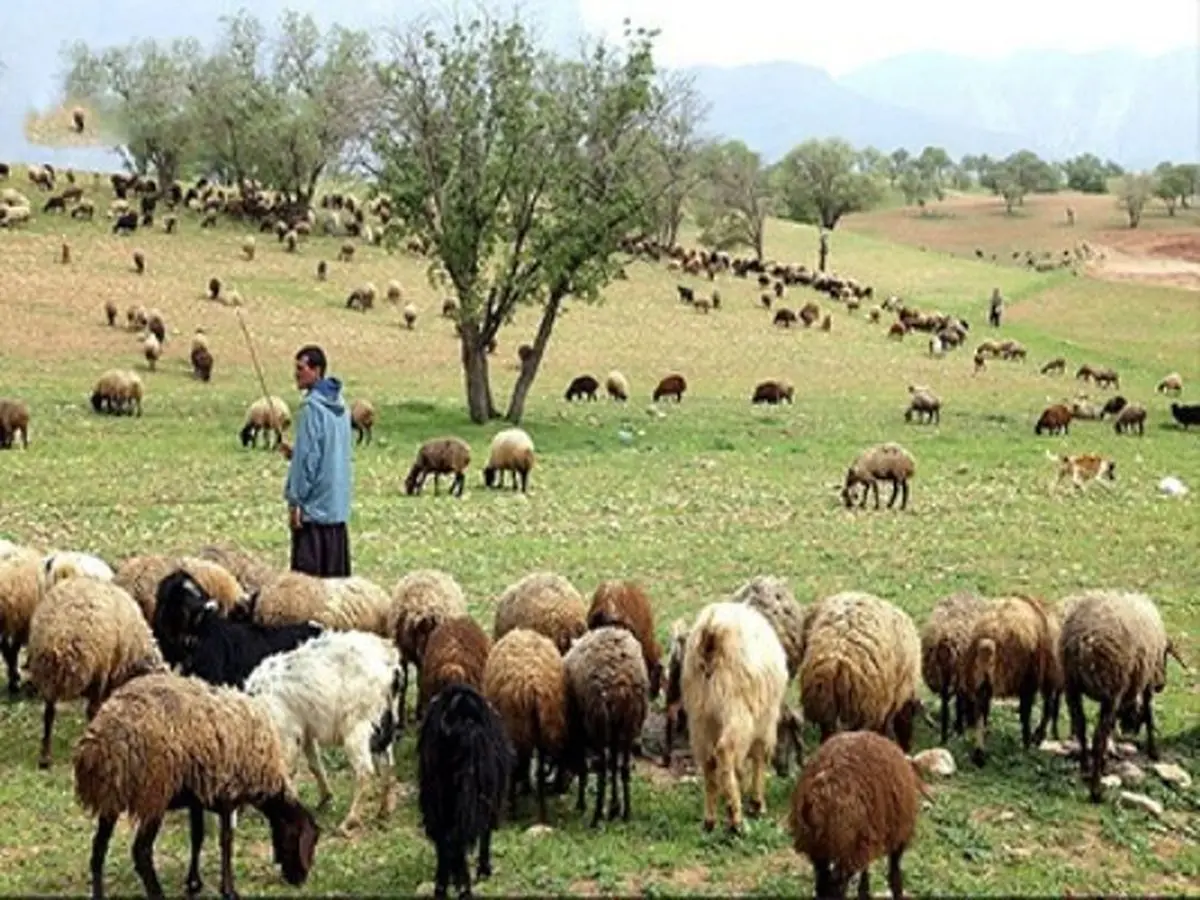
1131,417
772,392
118,391
345,604
862,663
885,462
139,262
338,688
856,800
582,386
1114,650
671,386
1186,414
456,652
944,639
511,451
14,420
140,576
86,638
1054,419
152,350
1012,652
441,456
1170,384
624,604
526,681
546,603
464,762
607,687
617,386
925,404
201,358
1057,366
248,247
164,742
410,316
265,414
362,419
19,597
734,675
421,601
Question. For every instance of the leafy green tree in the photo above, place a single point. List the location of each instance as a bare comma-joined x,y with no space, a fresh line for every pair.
914,186
1172,184
1136,191
1086,173
675,152
897,161
1191,173
874,161
822,180
735,197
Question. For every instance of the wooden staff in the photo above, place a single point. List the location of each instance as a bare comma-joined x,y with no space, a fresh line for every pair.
253,355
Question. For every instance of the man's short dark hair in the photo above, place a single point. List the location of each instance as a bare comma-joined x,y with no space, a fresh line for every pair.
313,356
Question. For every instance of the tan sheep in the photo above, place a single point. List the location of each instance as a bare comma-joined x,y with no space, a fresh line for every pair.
19,597
362,419
439,456
140,576
342,604
512,451
265,414
1170,384
410,316
546,603
617,386
421,601
251,573
249,245
456,652
944,639
886,462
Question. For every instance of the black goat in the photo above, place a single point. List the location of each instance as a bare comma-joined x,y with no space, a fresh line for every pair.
464,762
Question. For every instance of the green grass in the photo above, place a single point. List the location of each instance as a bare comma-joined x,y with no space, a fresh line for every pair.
708,495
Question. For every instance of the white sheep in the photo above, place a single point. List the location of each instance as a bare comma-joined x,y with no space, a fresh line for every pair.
511,451
63,564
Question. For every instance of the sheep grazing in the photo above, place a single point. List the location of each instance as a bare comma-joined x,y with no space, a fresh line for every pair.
1114,650
582,386
214,289
1012,652
607,686
362,298
772,392
201,358
251,573
898,330
322,270
362,419
1186,414
118,392
944,639
1056,366
1106,377
511,451
543,602
343,604
624,604
1171,384
886,462
809,313
1112,406
421,601
456,652
164,742
141,576
19,597
862,663
248,247
86,638
110,313
857,800
14,420
410,316
671,386
526,681
924,404
346,252
734,675
156,326
617,386
784,318
1131,417
464,762
338,688
139,262
1054,419
152,350
270,415
441,456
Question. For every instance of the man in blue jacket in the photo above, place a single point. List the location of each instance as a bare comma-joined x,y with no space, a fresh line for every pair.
319,473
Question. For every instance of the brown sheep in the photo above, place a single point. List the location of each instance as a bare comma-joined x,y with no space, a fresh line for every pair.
1054,419
456,652
625,605
110,313
671,386
885,462
784,317
139,262
362,419
944,638
1057,366
898,330
772,392
441,456
1131,417
809,313
346,252
1171,384
202,359
1106,377
543,602
14,418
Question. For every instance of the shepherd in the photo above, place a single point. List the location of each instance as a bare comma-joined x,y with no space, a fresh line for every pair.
318,487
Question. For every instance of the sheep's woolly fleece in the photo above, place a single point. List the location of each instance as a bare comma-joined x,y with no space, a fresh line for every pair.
420,595
545,602
526,680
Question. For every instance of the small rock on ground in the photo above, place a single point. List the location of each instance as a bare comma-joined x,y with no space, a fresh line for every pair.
1141,801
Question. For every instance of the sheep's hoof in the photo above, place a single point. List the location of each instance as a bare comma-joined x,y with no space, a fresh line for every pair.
736,829
194,886
710,824
44,762
754,808
348,827
978,756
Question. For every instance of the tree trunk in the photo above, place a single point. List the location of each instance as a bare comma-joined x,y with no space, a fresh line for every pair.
475,374
529,369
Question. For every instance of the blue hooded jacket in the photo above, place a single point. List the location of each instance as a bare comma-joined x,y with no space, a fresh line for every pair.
318,479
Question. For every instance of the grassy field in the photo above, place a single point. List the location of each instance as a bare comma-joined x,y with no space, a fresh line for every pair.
710,493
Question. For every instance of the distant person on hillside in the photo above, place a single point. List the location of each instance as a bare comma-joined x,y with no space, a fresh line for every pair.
319,475
996,308
824,250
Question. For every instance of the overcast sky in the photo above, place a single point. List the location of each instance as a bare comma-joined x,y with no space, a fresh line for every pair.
841,35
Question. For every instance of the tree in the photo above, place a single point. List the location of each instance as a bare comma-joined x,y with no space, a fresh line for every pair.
1172,184
735,197
675,153
1191,173
896,163
1018,175
1136,191
1086,173
874,161
935,163
914,186
822,180
520,171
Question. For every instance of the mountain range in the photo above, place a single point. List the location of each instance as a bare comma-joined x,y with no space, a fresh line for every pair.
1120,105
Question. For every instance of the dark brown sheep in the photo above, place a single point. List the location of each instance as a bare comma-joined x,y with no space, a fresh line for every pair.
1131,417
625,605
809,313
582,386
671,386
456,651
1054,419
784,317
772,392
202,363
441,456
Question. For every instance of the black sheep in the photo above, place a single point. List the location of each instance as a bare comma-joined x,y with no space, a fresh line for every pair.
582,386
464,762
1186,414
125,222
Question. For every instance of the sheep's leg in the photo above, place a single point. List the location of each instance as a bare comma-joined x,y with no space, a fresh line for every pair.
541,786
626,760
194,883
895,492
1078,722
710,793
602,779
387,771
11,650
960,709
228,892
978,755
895,876
1025,711
758,778
904,494
580,804
1049,714
902,726
1104,729
47,729
829,883
313,754
442,878
946,713
143,858
353,820
100,842
484,867
1148,718
727,777
864,884
614,766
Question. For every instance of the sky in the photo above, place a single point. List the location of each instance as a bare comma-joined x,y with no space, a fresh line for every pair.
842,35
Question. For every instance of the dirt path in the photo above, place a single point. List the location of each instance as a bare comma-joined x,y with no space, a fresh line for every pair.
1118,265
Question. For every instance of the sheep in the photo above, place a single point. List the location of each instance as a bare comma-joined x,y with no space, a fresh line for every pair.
163,742
1054,419
362,298
784,318
139,262
1082,408
512,451
464,762
862,663
924,404
14,215
265,414
248,247
1186,414
546,603
152,350
772,392
420,601
582,386
898,330
251,573
201,358
214,289
1106,377
125,223
1170,384
14,419
63,564
362,419
290,239
856,800
944,639
19,597
884,462
1056,366
617,386
456,651
86,638
338,688
410,316
1012,652
526,681
624,604
346,252
140,576
672,385
734,675
1114,650
322,270
1130,417
156,326
607,686
118,391
1113,406
344,604
441,456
